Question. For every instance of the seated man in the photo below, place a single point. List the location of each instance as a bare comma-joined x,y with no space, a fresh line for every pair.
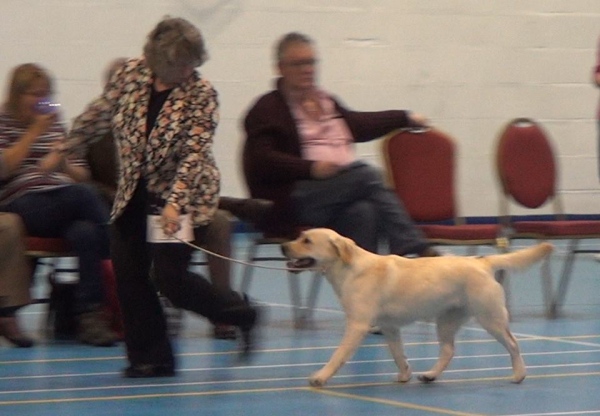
299,152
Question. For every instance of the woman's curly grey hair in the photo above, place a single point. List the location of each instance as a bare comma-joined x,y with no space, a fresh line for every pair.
174,42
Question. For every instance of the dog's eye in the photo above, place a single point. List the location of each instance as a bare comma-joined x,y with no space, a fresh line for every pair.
306,240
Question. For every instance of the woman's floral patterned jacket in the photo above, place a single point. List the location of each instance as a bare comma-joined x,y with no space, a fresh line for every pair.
176,159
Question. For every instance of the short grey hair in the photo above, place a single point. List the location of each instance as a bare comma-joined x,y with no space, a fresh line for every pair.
174,41
289,39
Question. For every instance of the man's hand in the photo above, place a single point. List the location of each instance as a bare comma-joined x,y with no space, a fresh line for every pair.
418,120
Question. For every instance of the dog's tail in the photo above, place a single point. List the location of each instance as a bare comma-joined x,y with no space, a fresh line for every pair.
519,259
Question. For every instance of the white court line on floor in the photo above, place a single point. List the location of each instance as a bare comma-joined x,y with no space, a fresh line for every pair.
281,379
319,364
559,339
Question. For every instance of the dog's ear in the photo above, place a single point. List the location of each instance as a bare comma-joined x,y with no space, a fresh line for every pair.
344,248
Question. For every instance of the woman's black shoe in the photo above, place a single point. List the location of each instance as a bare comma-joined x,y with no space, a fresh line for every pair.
149,370
250,331
246,316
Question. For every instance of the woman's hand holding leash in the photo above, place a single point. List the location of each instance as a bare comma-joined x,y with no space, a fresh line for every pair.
170,220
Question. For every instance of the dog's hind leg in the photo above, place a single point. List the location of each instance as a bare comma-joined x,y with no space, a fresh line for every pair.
448,325
498,328
394,340
354,334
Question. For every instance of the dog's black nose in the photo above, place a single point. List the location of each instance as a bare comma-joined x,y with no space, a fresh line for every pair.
284,249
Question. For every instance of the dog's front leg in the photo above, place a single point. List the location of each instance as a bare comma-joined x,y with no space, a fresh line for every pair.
448,325
394,341
354,334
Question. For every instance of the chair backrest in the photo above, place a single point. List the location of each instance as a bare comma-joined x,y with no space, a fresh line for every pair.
525,163
421,169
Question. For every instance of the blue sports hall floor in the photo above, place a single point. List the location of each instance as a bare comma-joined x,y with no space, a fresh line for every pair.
562,358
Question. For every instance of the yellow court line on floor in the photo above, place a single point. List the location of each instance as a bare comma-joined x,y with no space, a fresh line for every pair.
394,403
152,396
283,389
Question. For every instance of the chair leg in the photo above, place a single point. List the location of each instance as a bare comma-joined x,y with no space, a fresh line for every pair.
249,268
303,312
565,278
315,286
547,291
502,277
295,298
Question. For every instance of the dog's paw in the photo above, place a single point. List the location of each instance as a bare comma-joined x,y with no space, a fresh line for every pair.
316,382
317,379
405,378
518,380
423,378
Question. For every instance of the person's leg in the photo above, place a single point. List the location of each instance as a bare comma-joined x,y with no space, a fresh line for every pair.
15,279
85,240
15,269
216,237
76,213
358,222
403,236
185,290
47,214
319,202
52,213
149,350
251,210
194,293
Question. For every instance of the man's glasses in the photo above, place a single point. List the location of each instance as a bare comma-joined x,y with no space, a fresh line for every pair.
301,62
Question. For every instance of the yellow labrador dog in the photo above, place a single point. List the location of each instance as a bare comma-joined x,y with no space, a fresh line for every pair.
393,291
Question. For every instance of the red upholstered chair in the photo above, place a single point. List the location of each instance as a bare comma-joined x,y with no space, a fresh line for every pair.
421,168
38,247
528,175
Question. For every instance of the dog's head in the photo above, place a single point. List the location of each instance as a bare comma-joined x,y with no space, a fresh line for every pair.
318,247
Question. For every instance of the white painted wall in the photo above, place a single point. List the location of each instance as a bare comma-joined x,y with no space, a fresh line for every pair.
470,65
